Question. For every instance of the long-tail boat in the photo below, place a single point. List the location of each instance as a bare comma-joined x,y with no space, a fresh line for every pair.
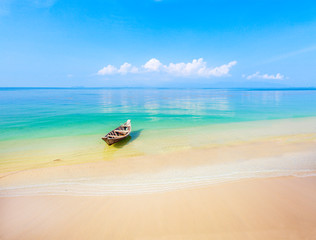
118,133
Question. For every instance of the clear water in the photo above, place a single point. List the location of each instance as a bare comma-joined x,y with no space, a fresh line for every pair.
43,128
41,113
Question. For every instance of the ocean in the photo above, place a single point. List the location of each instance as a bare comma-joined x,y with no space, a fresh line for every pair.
46,126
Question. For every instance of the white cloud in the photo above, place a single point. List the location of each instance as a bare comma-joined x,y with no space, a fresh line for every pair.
126,68
257,75
108,70
153,65
196,68
221,70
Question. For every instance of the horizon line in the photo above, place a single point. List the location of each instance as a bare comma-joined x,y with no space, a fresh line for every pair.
182,88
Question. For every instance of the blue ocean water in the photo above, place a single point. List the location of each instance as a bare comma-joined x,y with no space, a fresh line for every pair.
27,113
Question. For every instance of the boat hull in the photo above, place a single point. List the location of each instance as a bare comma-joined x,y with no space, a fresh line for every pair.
118,133
111,141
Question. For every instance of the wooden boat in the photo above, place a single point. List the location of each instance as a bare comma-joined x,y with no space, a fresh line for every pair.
118,133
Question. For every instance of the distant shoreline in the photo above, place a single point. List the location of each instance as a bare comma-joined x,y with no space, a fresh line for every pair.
163,88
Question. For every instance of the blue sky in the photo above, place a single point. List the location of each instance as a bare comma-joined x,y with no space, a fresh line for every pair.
167,43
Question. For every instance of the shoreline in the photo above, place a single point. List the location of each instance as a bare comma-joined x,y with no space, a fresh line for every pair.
287,156
41,153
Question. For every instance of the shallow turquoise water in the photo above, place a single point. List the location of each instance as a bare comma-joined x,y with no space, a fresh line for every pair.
36,113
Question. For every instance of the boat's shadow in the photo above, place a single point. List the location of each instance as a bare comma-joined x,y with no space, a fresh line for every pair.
132,137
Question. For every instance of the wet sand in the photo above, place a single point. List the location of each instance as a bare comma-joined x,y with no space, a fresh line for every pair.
292,155
273,208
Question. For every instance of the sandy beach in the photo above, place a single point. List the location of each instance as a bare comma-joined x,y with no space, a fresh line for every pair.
259,186
275,208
